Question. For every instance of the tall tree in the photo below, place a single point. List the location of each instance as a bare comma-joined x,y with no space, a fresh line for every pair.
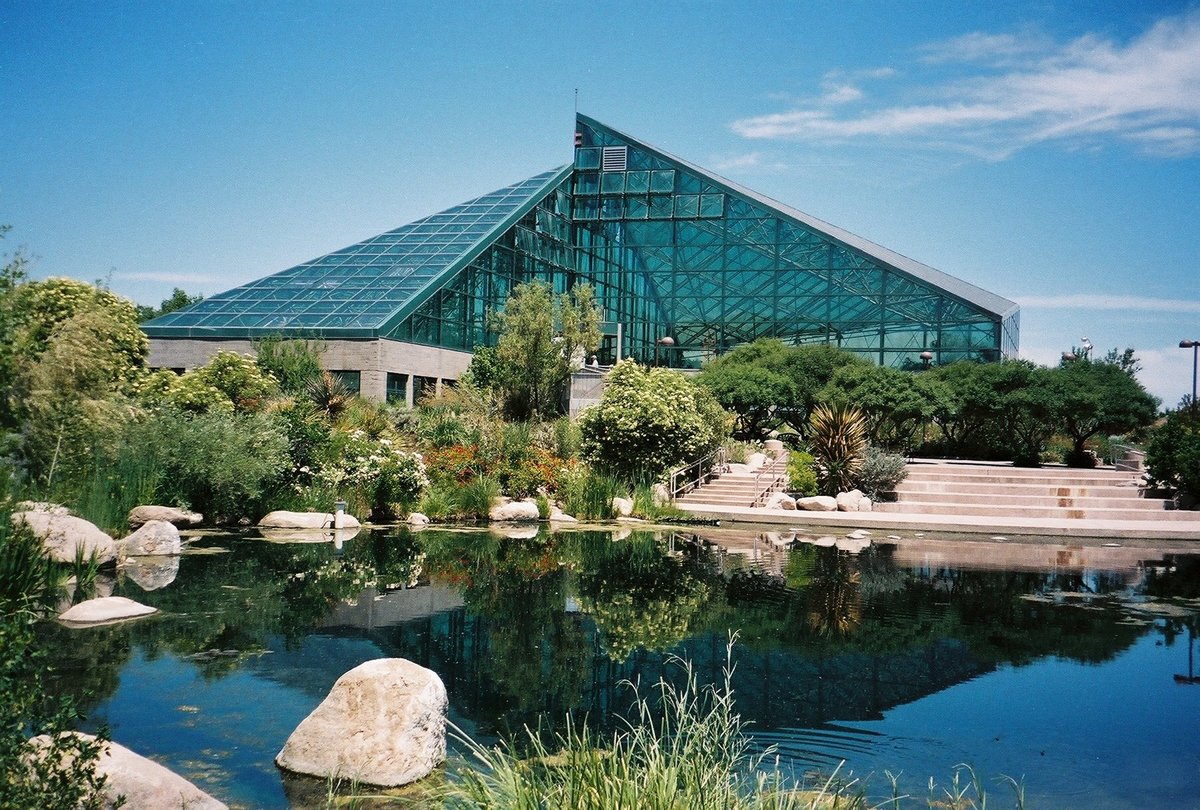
177,300
543,338
1095,397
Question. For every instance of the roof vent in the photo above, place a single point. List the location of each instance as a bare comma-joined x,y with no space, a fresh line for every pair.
614,158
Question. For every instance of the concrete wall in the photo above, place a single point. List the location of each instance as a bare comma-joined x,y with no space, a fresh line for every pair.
373,359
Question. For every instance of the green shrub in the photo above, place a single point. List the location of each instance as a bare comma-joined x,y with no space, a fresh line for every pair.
475,498
567,438
802,473
372,474
1173,456
63,775
588,495
881,472
838,441
294,363
648,420
220,464
438,503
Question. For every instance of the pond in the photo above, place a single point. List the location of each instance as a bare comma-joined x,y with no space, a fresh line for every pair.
1066,666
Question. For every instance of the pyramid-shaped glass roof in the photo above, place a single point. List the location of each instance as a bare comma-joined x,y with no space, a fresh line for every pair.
359,290
670,249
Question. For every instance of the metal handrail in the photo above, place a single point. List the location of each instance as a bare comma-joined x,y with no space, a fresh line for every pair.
690,476
777,479
1131,458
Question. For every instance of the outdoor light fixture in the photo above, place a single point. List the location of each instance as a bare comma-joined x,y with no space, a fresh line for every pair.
1194,345
665,340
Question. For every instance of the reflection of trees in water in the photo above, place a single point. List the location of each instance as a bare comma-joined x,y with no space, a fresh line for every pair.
638,594
536,653
223,607
85,663
832,598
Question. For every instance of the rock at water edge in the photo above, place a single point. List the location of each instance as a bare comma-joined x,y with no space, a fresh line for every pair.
65,535
143,782
383,723
504,510
154,538
818,503
141,515
105,609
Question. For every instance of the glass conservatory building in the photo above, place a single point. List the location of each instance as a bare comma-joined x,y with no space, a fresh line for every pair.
685,265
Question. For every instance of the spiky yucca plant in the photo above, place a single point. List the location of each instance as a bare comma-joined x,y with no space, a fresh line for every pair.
839,444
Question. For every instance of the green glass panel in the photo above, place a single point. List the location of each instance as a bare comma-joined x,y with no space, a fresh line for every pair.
637,182
687,205
661,206
636,207
587,183
712,205
612,182
662,180
588,158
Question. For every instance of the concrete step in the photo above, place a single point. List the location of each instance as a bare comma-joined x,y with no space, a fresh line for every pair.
956,508
986,476
1018,501
1061,489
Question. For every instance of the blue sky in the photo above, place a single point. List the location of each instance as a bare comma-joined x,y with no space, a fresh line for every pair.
1046,151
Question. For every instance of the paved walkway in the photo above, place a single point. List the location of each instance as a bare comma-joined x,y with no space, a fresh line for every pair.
964,524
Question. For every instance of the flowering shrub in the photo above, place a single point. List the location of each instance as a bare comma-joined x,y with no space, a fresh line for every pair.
456,463
373,475
650,419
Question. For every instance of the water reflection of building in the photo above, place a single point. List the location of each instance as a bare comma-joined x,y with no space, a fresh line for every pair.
774,687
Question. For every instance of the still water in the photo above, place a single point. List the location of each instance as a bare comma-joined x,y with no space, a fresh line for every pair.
1066,666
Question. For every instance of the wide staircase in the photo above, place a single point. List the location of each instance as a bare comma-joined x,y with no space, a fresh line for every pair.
736,486
997,490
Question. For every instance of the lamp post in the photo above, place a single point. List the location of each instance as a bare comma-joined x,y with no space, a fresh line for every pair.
665,340
1194,345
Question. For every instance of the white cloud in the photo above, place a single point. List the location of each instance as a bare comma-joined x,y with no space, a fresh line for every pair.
747,161
1025,91
1123,303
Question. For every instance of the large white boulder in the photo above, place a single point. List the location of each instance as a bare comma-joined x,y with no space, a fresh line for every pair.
557,515
622,506
65,535
41,506
143,782
382,723
755,460
140,515
848,501
817,503
282,519
104,610
505,510
155,537
781,500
